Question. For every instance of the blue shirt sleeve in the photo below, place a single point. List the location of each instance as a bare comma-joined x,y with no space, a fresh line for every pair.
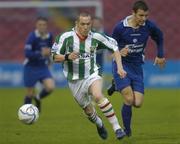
117,34
51,41
157,35
29,52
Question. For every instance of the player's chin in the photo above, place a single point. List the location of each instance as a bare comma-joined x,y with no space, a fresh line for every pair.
85,33
142,23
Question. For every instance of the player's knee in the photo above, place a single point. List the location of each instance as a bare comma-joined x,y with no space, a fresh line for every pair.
88,111
138,101
98,98
137,104
129,100
50,88
49,85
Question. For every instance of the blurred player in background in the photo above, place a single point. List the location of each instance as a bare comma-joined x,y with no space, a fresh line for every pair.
77,50
97,26
132,35
36,65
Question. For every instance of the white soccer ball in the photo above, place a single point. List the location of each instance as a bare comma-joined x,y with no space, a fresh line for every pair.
28,113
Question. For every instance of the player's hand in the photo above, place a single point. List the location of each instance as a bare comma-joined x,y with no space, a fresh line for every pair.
124,51
160,62
122,73
73,56
45,52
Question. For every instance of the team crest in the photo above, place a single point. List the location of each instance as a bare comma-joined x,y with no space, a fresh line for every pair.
135,40
92,48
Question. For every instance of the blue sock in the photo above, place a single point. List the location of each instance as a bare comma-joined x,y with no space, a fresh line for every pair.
27,100
126,112
44,93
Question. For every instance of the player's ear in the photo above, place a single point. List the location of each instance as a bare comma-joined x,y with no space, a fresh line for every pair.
133,12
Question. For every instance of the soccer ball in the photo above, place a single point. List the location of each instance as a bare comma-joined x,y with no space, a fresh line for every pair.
28,113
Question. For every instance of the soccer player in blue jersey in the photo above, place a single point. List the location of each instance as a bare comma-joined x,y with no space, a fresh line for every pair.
132,35
37,53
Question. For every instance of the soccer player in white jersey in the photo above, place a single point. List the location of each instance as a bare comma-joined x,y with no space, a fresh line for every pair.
77,50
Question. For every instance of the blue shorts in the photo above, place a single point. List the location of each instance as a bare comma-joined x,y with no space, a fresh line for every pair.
34,74
134,77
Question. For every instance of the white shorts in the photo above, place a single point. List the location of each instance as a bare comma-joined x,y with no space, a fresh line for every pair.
80,89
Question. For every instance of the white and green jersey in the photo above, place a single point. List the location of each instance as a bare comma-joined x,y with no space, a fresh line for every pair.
85,65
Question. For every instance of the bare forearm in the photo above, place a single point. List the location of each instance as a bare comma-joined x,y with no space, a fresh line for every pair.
118,60
66,57
58,58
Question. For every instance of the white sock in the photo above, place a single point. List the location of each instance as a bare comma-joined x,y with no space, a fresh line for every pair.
106,108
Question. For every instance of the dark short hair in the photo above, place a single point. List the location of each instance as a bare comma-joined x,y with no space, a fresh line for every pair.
84,14
140,5
42,18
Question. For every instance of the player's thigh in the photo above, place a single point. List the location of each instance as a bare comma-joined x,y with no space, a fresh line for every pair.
96,88
138,84
127,94
30,77
80,93
139,98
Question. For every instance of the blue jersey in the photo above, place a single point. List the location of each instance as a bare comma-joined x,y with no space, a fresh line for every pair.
33,47
36,66
136,39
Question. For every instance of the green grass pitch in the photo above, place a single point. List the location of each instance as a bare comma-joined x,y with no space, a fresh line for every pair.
63,122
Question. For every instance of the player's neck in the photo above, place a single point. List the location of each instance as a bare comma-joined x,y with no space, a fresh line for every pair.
80,36
132,23
42,34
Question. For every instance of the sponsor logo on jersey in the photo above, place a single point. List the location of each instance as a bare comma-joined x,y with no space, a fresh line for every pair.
135,48
86,55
